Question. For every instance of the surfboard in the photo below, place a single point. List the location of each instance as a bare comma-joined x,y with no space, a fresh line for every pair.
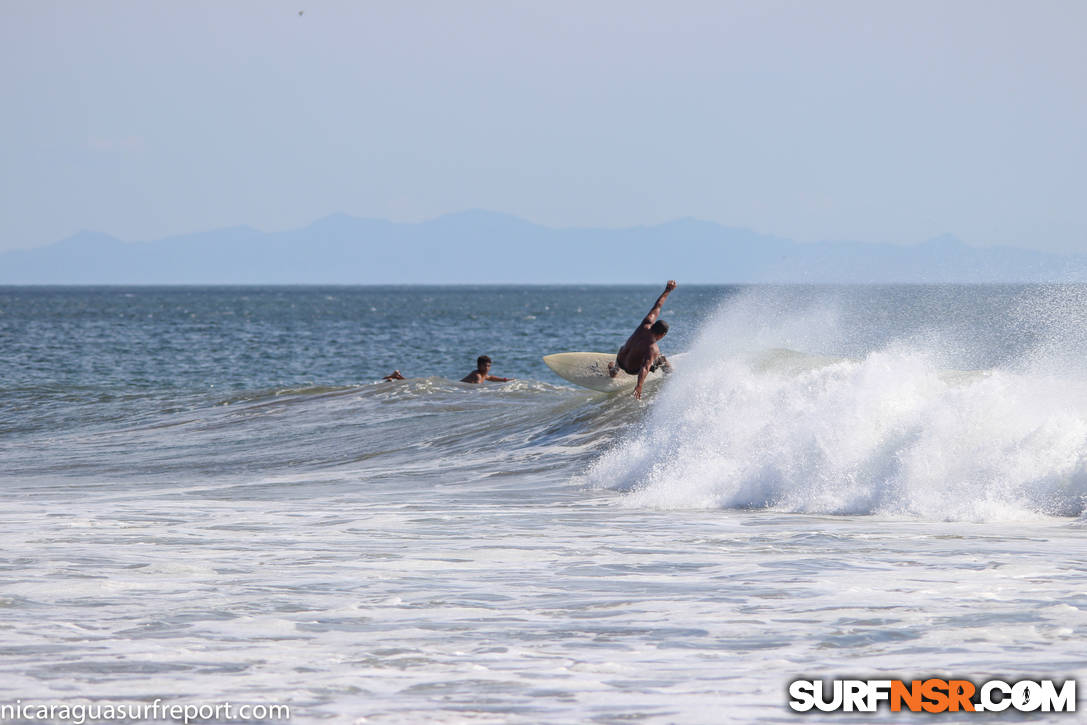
590,370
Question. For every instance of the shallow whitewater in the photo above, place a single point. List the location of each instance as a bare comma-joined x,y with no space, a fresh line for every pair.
515,608
810,496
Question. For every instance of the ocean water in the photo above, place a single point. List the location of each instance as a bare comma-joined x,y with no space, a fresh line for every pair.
209,496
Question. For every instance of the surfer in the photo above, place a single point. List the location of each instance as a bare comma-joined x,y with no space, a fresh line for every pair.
482,372
640,354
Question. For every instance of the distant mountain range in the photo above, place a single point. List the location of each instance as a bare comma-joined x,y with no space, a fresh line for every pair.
486,247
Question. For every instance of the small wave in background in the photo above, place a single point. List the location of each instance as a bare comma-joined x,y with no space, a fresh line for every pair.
764,415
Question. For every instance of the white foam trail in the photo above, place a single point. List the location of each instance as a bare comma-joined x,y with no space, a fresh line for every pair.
889,434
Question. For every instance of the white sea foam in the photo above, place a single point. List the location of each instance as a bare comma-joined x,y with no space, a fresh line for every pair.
745,425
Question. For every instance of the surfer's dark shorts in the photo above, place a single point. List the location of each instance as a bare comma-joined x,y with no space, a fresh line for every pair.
660,362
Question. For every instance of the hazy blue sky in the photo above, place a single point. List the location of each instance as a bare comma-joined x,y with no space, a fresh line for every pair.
874,121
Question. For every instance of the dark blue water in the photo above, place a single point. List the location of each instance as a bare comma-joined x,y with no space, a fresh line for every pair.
190,338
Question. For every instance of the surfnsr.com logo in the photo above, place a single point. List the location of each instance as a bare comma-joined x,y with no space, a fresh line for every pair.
932,695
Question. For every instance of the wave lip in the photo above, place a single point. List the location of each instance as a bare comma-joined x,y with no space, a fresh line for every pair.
890,434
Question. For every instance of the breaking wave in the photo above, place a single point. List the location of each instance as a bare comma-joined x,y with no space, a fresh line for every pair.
894,431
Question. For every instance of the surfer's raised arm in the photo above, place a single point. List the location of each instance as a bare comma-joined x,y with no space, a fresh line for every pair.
656,311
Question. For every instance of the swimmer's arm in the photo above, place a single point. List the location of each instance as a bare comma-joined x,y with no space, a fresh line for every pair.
496,379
